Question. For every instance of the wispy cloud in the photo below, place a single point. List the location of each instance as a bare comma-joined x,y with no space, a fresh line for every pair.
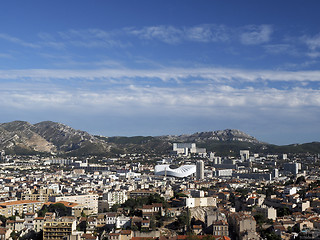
207,33
160,98
256,34
50,41
165,74
280,48
205,93
5,55
167,34
313,44
17,41
188,88
174,35
91,38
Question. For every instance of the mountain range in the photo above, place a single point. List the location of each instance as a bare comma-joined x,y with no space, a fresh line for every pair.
51,138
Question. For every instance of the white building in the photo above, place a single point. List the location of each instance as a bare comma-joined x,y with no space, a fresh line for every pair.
122,222
183,171
223,173
201,202
244,154
115,197
275,173
90,201
267,212
186,148
289,191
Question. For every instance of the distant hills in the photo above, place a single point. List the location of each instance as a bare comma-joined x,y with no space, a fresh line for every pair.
21,138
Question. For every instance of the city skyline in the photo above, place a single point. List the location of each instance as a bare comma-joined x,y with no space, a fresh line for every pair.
156,68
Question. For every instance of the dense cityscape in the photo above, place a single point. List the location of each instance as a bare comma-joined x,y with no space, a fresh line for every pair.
188,193
159,120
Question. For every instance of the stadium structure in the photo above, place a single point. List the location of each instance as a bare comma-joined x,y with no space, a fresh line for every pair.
181,172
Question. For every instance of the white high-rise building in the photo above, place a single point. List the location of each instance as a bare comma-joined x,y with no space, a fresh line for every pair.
187,148
200,170
115,197
2,156
275,173
244,154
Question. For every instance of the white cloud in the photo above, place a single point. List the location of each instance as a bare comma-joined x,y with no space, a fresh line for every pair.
17,41
174,35
91,38
205,75
279,48
139,103
312,42
207,33
50,41
314,54
256,34
5,55
167,34
160,98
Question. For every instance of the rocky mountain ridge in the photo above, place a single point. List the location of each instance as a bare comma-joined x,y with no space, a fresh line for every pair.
220,135
48,137
19,137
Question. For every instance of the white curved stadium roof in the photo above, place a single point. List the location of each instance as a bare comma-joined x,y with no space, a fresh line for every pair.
183,171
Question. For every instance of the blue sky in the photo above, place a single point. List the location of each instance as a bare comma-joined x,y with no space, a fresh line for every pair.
163,67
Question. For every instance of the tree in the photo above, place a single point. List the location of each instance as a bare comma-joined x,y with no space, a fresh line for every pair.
14,235
208,237
114,207
58,208
184,220
153,223
32,235
269,191
300,180
42,212
83,214
260,219
82,226
3,219
283,211
180,195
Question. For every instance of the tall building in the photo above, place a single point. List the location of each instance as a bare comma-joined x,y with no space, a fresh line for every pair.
115,197
275,173
291,167
200,170
2,156
244,154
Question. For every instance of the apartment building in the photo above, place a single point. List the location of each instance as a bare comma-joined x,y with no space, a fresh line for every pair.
20,207
89,201
59,228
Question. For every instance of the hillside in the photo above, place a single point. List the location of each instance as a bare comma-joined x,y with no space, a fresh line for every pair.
20,137
48,137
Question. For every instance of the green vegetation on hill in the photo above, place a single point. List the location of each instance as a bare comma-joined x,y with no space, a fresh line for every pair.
23,138
131,140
